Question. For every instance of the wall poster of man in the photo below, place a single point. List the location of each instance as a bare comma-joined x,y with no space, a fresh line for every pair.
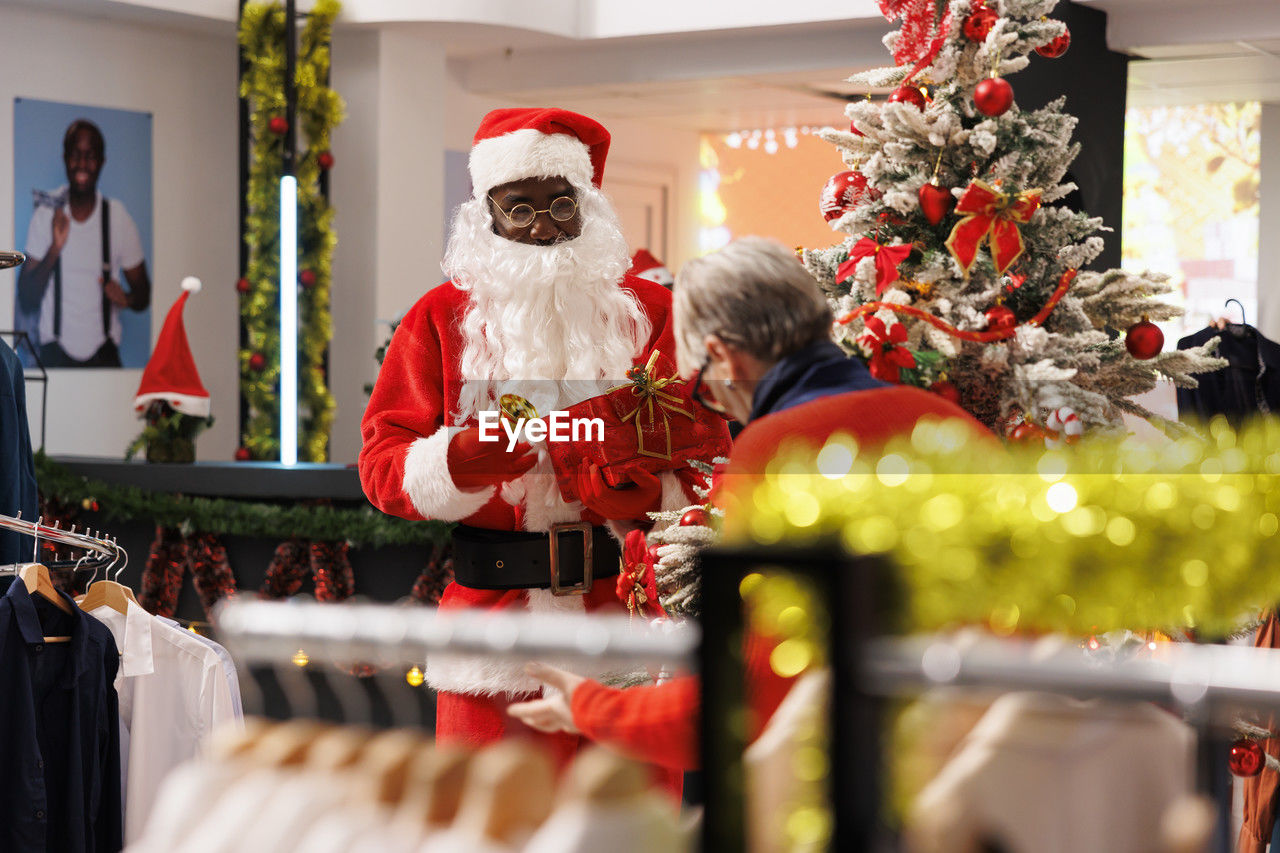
82,215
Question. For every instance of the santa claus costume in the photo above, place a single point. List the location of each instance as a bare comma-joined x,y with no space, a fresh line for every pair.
556,324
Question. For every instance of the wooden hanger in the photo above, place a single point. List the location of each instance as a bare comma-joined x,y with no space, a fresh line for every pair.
109,593
36,578
599,775
437,779
386,761
285,744
508,794
337,747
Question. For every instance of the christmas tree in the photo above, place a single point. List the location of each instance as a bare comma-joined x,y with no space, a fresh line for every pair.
963,271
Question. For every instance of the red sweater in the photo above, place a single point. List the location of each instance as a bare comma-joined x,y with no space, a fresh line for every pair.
659,723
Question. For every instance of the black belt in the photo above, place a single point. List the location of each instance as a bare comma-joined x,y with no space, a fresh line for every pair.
501,559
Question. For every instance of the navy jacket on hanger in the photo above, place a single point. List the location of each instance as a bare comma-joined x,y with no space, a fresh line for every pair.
1248,385
60,753
17,469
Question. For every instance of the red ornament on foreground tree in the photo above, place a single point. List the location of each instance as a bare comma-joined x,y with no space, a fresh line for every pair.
696,517
993,96
1057,47
979,23
841,193
936,202
1144,339
909,94
1246,758
1000,318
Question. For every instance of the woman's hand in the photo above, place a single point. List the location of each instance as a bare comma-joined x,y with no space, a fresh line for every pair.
552,713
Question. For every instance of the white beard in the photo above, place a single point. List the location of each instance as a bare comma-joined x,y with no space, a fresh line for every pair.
549,323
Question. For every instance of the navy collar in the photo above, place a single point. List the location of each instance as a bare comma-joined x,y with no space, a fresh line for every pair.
816,371
24,612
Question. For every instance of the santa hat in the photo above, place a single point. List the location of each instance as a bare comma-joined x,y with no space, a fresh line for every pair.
171,373
647,266
523,142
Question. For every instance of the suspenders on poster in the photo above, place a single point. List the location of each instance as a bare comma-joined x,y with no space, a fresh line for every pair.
106,276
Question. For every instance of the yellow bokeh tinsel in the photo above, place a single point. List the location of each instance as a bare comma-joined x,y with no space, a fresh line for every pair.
1100,536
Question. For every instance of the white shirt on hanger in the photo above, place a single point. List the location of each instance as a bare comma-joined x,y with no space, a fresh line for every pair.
228,665
173,694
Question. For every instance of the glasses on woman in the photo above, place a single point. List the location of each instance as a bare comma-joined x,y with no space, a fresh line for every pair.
522,215
701,392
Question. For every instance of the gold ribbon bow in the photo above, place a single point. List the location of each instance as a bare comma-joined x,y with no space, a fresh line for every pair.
654,401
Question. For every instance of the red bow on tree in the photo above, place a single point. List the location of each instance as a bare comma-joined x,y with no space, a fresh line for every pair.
637,586
993,216
888,356
919,22
887,260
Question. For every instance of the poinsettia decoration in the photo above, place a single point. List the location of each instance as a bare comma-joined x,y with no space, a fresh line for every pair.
886,349
887,260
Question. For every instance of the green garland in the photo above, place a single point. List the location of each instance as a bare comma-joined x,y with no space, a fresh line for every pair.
361,527
319,110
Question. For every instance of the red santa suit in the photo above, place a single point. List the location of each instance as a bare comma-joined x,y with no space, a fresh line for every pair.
420,401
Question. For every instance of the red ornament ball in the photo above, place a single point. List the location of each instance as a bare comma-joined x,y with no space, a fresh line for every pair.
307,277
993,96
257,361
1144,340
853,128
651,555
243,454
279,125
1000,318
946,391
979,24
909,94
324,160
935,202
1057,47
1246,758
840,193
242,285
696,517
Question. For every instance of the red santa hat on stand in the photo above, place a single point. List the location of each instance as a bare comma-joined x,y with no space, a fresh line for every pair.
171,373
645,265
538,142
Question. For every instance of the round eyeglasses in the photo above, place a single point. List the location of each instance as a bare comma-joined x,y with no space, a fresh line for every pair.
702,395
522,215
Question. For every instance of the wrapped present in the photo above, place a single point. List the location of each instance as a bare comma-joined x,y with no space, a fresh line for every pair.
650,422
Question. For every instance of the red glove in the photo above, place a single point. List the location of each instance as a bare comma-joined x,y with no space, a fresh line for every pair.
618,504
474,464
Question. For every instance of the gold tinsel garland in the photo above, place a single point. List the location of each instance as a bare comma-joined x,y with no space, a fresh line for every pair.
319,110
1098,537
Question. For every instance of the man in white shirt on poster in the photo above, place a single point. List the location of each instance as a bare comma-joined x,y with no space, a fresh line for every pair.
69,276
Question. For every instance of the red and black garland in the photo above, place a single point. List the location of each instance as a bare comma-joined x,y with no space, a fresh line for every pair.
435,575
171,555
328,563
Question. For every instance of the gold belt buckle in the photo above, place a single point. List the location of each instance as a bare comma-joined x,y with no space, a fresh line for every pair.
577,527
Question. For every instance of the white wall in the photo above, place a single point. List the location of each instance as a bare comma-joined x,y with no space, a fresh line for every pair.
187,82
1269,224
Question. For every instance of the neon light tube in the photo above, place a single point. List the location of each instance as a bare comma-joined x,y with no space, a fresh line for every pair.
289,320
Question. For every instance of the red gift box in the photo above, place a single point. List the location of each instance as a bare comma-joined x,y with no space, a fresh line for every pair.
651,423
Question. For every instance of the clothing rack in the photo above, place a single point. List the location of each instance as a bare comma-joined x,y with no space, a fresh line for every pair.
1211,683
269,632
108,553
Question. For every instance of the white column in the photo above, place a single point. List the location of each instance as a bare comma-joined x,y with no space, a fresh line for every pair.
387,189
1269,225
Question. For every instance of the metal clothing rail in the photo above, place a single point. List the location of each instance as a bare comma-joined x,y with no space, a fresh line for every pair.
1210,680
270,632
108,551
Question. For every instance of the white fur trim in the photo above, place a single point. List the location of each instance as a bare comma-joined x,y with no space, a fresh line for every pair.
674,496
429,486
188,404
528,153
485,676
